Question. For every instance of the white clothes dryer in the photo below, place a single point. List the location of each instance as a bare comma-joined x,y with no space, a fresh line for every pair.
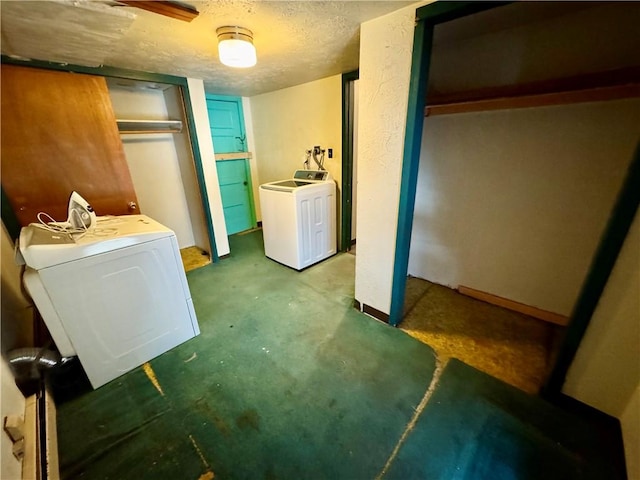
115,297
299,218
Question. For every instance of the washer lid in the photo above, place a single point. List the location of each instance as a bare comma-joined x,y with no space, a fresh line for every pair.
42,248
301,179
317,175
286,185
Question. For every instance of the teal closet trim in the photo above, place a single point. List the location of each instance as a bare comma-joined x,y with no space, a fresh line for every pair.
422,41
101,71
441,12
347,157
602,265
427,18
200,171
150,77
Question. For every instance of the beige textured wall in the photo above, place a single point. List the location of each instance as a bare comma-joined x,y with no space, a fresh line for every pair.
288,122
514,202
205,144
386,45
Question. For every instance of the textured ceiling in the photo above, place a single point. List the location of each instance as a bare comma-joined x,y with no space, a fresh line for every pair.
296,41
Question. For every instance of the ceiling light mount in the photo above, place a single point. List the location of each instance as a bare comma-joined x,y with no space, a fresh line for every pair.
235,47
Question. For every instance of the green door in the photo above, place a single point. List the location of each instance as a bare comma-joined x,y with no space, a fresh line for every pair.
235,189
234,176
227,123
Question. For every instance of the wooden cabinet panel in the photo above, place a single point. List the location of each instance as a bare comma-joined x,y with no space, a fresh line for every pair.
59,134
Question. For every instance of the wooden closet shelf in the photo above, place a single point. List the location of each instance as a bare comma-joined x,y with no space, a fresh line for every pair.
593,87
149,126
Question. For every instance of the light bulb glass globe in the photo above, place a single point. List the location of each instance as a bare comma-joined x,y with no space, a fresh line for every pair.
236,52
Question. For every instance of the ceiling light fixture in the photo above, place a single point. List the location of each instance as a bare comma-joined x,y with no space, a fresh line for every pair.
235,47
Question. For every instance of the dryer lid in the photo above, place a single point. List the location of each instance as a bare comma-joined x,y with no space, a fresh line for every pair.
42,248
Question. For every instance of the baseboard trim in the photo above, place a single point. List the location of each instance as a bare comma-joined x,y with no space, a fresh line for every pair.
375,313
372,312
515,306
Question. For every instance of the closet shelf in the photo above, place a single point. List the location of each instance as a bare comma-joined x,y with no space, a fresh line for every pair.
591,87
149,126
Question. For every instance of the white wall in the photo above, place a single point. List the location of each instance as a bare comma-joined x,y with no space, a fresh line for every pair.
514,202
606,371
386,45
290,121
251,147
154,162
186,164
205,144
162,166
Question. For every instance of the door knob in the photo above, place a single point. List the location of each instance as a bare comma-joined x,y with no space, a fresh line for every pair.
132,206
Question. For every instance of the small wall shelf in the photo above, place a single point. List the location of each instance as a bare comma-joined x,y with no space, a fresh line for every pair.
149,126
232,156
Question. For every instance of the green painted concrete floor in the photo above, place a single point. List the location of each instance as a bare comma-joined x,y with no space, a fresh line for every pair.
288,381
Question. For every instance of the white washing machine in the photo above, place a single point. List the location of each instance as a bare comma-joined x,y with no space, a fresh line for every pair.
116,297
299,218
